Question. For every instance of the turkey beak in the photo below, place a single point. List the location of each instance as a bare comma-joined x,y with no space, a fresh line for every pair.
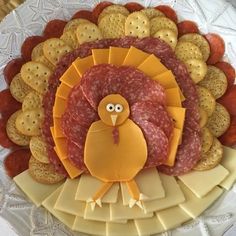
113,119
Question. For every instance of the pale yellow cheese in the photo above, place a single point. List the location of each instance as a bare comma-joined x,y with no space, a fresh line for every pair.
117,55
149,226
135,57
193,205
89,185
66,200
35,191
202,182
49,203
143,180
173,195
83,64
229,162
118,229
172,217
89,226
100,56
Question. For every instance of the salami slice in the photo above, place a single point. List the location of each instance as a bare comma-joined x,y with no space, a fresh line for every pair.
169,12
133,6
186,27
84,14
54,28
188,154
100,7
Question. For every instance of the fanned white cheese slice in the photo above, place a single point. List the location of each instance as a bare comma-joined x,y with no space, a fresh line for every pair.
49,203
193,205
229,162
202,182
88,186
35,191
66,200
173,195
144,180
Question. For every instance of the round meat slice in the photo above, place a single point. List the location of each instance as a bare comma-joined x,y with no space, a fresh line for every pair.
154,113
188,154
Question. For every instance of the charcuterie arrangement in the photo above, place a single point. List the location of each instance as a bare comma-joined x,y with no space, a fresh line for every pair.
121,121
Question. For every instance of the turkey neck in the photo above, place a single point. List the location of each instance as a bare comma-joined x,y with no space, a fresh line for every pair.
115,134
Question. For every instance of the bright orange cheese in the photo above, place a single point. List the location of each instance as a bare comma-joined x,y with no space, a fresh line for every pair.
59,107
152,66
71,169
63,91
71,77
57,128
83,64
166,79
173,97
52,131
61,147
175,139
135,57
117,55
100,56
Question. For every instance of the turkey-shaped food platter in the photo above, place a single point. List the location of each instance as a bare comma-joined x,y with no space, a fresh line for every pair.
121,114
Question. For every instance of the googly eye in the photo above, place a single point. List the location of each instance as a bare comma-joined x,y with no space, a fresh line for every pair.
110,107
118,108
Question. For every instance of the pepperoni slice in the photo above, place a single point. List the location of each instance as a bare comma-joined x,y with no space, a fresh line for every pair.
28,46
169,12
12,68
186,27
229,137
100,7
217,46
54,28
84,14
133,6
228,70
17,162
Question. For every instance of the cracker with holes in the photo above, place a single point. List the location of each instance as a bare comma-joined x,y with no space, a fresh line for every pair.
37,52
161,22
199,41
137,25
54,49
13,134
19,89
36,75
197,69
112,25
185,51
215,81
169,36
206,140
88,32
152,12
46,62
38,149
32,101
203,117
44,173
113,9
206,100
29,122
70,38
219,121
211,158
73,24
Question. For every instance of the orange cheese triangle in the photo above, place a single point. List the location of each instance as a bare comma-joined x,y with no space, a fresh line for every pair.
100,56
117,55
173,97
63,91
71,77
83,64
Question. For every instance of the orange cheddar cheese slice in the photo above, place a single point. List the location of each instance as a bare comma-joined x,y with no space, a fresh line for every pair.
57,128
72,170
152,66
52,131
100,56
135,57
173,97
61,147
59,107
175,139
63,91
117,55
71,77
83,64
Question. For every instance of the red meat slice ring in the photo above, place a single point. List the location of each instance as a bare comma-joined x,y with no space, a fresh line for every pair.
100,7
186,27
84,14
54,28
169,12
133,6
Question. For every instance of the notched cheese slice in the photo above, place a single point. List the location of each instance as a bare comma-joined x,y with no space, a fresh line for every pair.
193,205
100,56
35,191
117,55
117,229
135,57
202,182
59,107
83,64
173,97
63,91
57,128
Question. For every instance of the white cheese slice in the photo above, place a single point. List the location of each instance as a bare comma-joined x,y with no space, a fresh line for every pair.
122,212
193,205
229,162
116,229
88,186
202,182
35,191
172,217
49,203
173,197
149,226
149,184
89,226
66,200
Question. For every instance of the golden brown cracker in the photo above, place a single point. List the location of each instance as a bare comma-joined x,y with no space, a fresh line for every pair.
151,12
73,24
203,117
206,139
168,36
70,38
32,101
46,62
37,51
